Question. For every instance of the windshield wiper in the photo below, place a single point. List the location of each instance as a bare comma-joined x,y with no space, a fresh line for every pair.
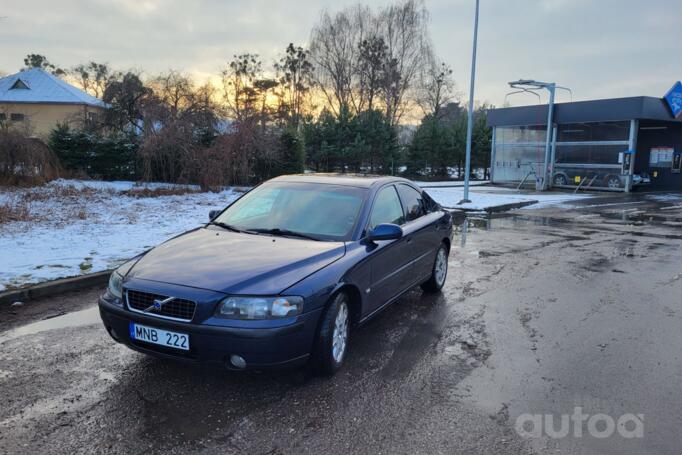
229,227
284,233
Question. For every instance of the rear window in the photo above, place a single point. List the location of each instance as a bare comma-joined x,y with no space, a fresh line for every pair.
412,201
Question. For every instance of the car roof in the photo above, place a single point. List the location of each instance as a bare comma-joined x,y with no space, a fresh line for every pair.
356,180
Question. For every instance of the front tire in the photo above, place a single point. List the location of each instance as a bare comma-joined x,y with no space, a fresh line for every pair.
332,339
439,272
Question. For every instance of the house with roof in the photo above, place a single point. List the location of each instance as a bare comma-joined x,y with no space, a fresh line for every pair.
34,101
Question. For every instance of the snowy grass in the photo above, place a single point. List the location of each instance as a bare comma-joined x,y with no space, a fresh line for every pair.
75,227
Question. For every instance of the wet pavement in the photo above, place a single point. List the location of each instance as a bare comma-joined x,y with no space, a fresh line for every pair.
543,311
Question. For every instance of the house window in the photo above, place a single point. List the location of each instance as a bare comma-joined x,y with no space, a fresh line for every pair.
92,118
19,84
17,117
3,116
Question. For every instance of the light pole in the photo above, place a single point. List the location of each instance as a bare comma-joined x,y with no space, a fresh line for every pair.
529,85
470,120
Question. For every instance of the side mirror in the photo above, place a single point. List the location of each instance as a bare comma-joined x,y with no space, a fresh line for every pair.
213,214
385,232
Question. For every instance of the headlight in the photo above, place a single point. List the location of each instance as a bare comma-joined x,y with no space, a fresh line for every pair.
260,307
116,285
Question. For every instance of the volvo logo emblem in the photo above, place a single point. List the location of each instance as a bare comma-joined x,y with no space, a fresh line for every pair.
158,304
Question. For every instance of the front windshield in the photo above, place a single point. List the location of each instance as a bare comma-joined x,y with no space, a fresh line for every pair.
325,212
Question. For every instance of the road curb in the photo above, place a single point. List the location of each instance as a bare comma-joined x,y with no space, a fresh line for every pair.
505,207
496,208
54,287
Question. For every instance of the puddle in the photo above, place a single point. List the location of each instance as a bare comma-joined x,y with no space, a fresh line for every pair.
76,319
500,221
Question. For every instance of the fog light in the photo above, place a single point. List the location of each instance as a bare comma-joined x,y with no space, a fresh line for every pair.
237,362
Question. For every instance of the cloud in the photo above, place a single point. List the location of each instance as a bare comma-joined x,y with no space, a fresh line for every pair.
598,48
135,7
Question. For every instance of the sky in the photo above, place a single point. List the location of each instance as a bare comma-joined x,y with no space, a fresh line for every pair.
597,48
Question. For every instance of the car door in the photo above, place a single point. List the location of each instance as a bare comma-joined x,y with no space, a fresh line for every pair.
389,259
421,229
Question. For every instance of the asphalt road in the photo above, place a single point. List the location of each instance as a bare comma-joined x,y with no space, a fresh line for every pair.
543,311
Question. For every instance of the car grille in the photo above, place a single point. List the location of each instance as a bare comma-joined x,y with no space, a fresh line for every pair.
177,308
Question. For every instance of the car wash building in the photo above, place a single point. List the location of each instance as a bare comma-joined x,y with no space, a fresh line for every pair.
621,144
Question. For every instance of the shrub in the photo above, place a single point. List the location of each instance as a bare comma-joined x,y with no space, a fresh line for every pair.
108,157
279,155
231,159
25,161
14,211
165,155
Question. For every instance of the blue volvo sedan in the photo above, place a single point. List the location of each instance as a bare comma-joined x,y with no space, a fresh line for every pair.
282,274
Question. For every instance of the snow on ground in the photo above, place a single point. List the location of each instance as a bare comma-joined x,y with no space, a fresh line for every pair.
486,198
450,183
84,227
76,227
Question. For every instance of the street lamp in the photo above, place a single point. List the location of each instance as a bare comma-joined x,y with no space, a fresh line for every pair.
529,85
470,120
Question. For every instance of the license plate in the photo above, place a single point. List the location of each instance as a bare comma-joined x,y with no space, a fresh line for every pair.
159,336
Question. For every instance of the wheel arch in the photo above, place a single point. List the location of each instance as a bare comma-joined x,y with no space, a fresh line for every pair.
447,242
354,299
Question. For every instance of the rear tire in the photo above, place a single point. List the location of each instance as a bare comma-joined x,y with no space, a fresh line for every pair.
613,182
439,272
560,179
331,343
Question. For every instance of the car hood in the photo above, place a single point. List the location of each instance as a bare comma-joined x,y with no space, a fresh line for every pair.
235,263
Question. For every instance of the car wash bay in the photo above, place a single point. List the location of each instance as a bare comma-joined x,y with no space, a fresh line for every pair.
619,144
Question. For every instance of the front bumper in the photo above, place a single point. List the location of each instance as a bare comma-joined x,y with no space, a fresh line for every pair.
260,347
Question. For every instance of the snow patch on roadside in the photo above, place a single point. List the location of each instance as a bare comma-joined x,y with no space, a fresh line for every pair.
450,183
115,227
484,200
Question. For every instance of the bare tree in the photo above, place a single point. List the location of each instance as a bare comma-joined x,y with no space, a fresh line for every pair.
93,77
334,51
239,90
365,59
175,93
371,70
295,75
128,99
404,29
436,87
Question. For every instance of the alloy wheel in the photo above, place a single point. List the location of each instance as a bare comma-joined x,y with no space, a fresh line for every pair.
441,268
340,335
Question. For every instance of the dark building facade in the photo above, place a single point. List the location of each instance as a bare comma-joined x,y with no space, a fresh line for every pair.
620,144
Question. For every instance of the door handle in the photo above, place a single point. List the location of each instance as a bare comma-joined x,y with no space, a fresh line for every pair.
408,240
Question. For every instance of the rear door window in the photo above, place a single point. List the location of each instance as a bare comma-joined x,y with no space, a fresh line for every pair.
412,201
